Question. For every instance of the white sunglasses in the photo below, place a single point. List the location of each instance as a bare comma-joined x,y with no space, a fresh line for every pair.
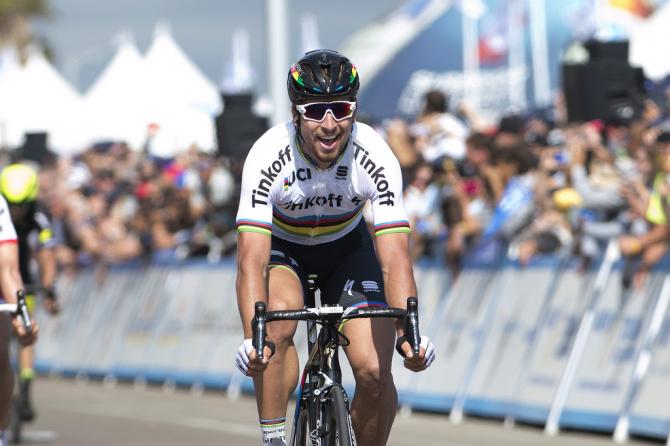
317,111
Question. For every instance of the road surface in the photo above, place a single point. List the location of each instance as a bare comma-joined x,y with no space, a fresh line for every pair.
83,414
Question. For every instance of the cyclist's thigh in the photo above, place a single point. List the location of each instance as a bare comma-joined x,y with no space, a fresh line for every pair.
356,281
5,335
285,290
372,344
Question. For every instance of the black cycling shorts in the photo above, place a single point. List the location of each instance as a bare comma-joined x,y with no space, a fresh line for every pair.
346,270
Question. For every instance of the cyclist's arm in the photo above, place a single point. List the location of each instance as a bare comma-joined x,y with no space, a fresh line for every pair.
390,223
396,264
254,227
10,277
253,254
46,261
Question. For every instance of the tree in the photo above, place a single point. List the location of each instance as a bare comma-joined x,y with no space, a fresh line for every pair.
15,18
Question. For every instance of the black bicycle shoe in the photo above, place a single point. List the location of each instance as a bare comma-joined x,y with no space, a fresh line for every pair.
26,411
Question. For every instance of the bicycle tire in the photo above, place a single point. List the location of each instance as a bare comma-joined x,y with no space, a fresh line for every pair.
15,423
301,434
340,432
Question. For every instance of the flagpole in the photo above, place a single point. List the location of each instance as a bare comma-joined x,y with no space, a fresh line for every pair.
538,27
471,72
516,62
277,35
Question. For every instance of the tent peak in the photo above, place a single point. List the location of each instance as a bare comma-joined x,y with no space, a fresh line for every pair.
163,29
124,38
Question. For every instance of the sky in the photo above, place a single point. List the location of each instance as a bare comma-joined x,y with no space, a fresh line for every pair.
82,32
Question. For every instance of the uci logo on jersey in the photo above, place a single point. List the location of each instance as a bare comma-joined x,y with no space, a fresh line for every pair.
302,174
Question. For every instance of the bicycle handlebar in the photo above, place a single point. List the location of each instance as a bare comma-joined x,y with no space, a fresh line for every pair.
22,309
410,317
19,309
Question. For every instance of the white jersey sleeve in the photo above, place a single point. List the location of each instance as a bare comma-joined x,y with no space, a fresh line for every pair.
7,230
384,182
255,208
261,176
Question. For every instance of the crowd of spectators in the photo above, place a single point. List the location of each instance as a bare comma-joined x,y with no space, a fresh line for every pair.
113,205
535,184
529,184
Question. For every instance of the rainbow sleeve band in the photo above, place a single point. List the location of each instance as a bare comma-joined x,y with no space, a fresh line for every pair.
392,228
254,226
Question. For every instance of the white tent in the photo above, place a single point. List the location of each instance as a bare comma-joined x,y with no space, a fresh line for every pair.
119,98
35,98
650,44
134,92
177,77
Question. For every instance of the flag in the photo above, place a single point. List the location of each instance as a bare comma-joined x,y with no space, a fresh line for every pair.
493,42
638,8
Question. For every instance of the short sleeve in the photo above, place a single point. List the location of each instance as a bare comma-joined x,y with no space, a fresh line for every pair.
388,212
7,230
255,209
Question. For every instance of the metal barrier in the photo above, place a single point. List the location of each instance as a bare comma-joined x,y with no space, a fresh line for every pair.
543,343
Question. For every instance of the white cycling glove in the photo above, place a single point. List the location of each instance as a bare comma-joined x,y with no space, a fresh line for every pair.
430,350
242,356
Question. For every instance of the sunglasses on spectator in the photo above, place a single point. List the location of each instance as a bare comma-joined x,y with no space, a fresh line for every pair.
317,111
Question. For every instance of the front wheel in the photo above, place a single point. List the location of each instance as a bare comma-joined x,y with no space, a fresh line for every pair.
339,432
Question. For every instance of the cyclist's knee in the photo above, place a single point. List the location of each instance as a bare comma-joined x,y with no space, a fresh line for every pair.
281,331
373,379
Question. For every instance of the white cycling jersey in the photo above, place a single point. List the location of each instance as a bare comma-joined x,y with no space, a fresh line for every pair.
7,230
285,194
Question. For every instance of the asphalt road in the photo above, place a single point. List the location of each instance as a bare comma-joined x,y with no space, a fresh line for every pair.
84,414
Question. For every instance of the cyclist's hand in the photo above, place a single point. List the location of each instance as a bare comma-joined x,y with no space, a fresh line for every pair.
423,360
25,337
248,363
52,306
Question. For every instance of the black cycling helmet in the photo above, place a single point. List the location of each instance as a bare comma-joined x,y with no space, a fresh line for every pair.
322,74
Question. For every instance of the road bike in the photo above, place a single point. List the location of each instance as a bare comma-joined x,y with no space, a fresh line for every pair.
20,309
321,416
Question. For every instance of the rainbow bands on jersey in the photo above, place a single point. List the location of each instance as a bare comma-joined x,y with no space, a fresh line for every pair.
254,226
392,227
313,226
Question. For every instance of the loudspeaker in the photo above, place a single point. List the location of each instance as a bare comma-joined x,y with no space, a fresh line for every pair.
35,147
237,127
613,51
606,89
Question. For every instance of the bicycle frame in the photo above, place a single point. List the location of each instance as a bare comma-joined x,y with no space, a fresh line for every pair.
322,371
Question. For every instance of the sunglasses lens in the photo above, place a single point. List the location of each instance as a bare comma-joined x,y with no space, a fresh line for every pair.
341,110
317,111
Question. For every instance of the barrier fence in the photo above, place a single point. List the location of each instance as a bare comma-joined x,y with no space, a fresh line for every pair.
545,343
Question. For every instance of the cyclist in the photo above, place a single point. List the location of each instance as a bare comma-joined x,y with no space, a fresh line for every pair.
304,185
10,283
19,185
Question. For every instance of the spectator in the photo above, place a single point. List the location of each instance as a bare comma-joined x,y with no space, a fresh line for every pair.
437,132
421,204
652,245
